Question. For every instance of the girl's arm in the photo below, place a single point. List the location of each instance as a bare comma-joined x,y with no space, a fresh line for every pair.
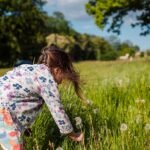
50,94
53,102
51,97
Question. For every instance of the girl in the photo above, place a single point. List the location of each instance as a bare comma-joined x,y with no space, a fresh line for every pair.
24,90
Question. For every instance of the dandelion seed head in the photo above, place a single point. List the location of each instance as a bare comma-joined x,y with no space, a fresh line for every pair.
79,124
95,111
89,102
123,127
147,127
139,101
59,148
142,101
78,120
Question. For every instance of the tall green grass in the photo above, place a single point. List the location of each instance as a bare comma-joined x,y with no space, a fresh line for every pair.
117,119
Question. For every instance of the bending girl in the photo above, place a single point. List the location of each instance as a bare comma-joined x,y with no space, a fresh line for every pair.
24,90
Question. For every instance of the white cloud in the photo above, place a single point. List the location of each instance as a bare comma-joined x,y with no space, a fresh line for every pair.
50,2
72,9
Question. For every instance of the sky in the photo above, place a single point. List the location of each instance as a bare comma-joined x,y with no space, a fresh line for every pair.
74,11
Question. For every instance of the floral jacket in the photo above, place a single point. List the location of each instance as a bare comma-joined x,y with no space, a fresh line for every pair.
24,89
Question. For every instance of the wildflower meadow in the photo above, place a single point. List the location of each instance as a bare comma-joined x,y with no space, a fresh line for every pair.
117,116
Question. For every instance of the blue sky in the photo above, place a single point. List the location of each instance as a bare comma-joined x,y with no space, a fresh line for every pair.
74,11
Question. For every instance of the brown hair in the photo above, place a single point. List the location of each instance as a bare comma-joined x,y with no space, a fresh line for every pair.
52,57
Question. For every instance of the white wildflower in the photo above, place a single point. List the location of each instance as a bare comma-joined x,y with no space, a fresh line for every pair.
95,111
79,124
142,101
138,101
123,127
147,127
59,148
89,102
78,120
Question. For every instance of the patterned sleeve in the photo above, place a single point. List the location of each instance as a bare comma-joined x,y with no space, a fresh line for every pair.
50,94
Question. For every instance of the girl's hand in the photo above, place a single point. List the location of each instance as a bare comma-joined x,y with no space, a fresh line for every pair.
77,137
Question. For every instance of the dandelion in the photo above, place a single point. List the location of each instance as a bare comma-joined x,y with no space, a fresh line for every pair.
79,124
138,101
120,82
59,148
142,101
147,127
78,120
123,127
89,102
95,111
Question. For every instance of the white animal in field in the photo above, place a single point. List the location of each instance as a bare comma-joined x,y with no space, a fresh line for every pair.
137,54
125,57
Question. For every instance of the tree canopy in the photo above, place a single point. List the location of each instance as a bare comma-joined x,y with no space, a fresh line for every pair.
113,13
57,23
25,28
22,25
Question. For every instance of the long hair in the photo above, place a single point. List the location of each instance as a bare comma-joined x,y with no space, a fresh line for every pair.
52,57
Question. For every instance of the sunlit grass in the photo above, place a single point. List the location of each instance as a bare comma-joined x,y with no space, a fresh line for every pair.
119,117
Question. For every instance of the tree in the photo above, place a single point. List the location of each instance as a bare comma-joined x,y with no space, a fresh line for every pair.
113,12
57,23
22,28
114,41
128,47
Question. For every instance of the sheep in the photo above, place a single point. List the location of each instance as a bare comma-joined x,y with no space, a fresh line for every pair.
125,57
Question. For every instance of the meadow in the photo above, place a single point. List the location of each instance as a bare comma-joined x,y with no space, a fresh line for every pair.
117,116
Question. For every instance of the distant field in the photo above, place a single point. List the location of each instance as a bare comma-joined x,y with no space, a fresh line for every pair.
3,71
118,117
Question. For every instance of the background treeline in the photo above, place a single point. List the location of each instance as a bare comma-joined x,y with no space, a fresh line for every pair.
25,28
